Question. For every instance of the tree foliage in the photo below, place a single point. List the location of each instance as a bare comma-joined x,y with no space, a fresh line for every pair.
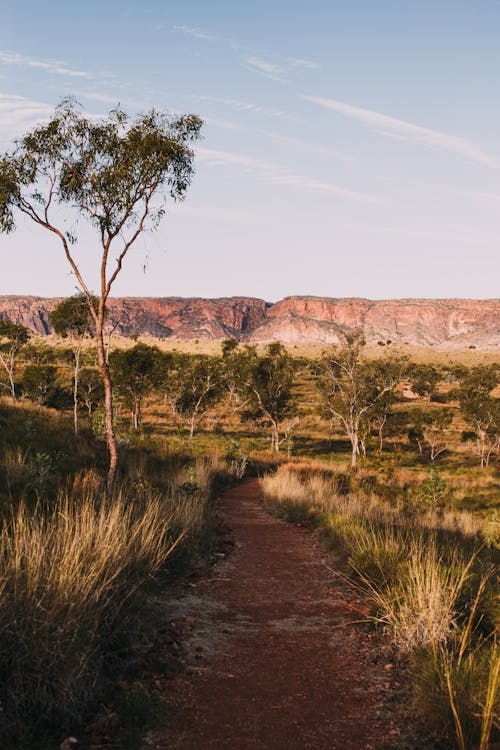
114,173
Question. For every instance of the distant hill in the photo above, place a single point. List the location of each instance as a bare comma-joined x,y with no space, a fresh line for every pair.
447,323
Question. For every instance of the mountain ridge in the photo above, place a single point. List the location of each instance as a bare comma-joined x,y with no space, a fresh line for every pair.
444,322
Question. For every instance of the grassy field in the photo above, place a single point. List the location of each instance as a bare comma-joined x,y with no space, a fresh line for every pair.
419,538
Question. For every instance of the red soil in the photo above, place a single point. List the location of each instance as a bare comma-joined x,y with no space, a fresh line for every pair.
287,668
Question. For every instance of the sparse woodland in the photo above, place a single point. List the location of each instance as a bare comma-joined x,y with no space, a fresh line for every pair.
395,463
110,459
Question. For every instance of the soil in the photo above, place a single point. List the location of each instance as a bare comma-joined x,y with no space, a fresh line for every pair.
275,657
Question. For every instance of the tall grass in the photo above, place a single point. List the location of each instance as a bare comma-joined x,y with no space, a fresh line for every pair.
69,575
428,576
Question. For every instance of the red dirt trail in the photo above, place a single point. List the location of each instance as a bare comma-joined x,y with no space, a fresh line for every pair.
282,666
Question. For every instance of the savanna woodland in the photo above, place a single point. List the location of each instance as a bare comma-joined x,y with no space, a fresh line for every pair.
113,452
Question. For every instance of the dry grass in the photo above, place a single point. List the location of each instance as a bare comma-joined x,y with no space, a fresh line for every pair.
432,597
69,576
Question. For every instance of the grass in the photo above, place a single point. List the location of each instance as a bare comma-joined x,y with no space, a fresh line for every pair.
74,568
429,575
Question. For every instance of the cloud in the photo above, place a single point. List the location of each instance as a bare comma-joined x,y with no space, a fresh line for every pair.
243,106
194,31
271,70
271,172
50,66
298,62
216,158
318,186
18,113
407,131
279,70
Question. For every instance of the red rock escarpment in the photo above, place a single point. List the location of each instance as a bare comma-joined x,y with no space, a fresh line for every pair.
446,322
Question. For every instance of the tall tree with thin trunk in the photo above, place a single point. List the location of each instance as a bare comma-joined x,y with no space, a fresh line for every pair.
72,319
350,387
115,173
269,381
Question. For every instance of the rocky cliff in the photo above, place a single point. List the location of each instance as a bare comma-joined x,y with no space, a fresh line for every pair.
447,323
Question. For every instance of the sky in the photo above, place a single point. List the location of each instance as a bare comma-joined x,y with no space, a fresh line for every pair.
351,148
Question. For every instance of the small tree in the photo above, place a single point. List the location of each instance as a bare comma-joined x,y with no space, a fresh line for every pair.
200,380
90,391
73,319
38,383
110,172
13,336
481,410
269,384
350,388
134,373
424,379
429,427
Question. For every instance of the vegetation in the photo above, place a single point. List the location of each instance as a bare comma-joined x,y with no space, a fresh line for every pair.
74,569
110,173
430,577
415,522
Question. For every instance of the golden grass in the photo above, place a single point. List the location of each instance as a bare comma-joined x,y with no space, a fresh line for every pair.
427,592
69,574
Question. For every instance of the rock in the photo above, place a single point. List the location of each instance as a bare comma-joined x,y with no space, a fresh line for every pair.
70,743
447,323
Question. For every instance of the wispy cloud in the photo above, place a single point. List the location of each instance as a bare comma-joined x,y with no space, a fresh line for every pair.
194,31
271,172
299,62
394,127
243,106
217,157
18,113
279,69
271,70
50,66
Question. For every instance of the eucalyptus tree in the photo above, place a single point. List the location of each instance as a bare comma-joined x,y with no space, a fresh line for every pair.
90,390
134,372
115,173
13,336
481,409
72,318
351,387
269,383
201,389
430,427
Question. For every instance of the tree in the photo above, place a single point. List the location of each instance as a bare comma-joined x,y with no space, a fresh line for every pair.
90,391
169,377
72,318
424,379
236,365
109,172
13,336
38,383
269,385
350,387
200,381
480,409
134,373
429,426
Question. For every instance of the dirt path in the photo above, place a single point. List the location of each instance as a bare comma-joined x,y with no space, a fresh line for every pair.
275,662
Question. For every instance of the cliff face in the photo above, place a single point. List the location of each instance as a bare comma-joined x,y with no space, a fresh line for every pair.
293,320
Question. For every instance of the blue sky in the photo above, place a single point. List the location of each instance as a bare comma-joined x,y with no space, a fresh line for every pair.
350,148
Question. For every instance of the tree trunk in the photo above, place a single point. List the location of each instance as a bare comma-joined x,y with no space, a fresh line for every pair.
75,388
275,438
355,450
108,406
12,384
136,413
